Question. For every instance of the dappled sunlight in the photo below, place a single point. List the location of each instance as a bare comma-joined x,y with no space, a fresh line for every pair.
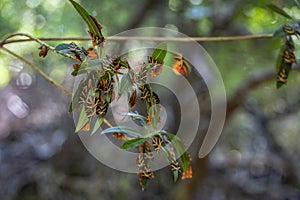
54,4
33,3
260,19
8,9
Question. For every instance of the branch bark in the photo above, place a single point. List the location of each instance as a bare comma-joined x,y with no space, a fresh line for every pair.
31,38
155,39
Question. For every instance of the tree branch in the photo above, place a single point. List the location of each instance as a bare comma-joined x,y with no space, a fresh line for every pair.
156,39
31,38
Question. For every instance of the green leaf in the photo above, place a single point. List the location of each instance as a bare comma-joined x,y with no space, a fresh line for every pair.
83,119
125,84
160,52
167,155
92,65
175,176
124,64
155,115
122,129
133,143
75,99
71,107
137,117
143,182
63,48
278,10
180,148
97,124
87,18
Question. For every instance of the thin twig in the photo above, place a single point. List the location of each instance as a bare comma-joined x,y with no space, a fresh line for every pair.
107,123
34,67
157,39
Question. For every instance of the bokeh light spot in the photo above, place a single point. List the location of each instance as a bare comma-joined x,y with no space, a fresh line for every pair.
17,106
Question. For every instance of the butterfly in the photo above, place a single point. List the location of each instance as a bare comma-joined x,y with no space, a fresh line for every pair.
181,66
285,60
156,67
291,29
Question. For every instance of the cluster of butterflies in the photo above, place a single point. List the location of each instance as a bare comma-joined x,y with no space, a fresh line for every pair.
95,93
145,155
148,70
180,65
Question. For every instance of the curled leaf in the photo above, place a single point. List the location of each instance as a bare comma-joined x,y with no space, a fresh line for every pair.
160,52
63,48
181,66
43,51
82,123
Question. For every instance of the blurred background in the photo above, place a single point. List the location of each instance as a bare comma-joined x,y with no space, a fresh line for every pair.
257,156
